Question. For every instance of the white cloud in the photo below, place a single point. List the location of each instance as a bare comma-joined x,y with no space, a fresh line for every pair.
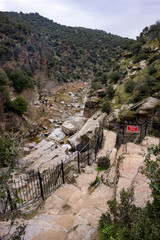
2,5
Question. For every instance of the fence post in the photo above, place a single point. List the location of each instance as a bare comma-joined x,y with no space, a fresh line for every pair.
40,183
95,152
141,134
101,138
62,172
88,155
146,128
79,171
10,200
123,132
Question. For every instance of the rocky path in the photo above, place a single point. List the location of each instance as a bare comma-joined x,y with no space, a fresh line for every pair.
73,210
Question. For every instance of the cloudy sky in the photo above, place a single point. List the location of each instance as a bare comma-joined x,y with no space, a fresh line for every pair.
125,18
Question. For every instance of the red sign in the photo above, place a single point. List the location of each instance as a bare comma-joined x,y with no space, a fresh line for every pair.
133,129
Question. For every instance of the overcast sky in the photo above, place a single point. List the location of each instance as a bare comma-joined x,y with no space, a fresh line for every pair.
125,18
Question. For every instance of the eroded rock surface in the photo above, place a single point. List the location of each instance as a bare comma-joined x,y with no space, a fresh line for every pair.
72,212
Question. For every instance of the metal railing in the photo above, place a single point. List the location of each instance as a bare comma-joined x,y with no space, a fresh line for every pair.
38,186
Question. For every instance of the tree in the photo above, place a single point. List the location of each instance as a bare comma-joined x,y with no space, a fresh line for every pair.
129,86
114,76
19,105
110,91
105,107
3,77
21,80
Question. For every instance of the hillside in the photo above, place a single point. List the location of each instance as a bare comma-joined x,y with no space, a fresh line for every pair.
37,55
132,89
61,53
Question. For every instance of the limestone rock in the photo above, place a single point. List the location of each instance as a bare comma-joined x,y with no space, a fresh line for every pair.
131,159
90,127
45,155
75,142
87,132
77,121
149,105
26,150
51,120
109,176
108,148
68,128
31,145
57,134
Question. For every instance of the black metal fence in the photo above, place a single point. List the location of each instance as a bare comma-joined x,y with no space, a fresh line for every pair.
124,136
38,186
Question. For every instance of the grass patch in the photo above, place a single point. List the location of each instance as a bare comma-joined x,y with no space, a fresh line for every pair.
99,169
95,182
93,185
122,93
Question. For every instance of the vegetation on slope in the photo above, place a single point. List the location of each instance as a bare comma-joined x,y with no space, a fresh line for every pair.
64,53
137,74
125,221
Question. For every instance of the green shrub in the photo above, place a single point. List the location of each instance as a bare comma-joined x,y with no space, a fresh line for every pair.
149,80
153,58
95,85
5,93
129,86
19,105
136,47
142,56
142,92
3,77
8,150
110,91
105,107
114,77
152,70
21,80
103,162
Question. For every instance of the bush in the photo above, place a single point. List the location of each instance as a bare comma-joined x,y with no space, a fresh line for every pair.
8,150
142,92
142,56
129,86
110,91
136,47
150,81
103,162
114,77
95,85
4,92
21,80
152,70
105,107
153,58
19,105
3,77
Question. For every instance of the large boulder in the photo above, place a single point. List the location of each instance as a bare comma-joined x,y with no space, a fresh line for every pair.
45,155
91,105
149,105
57,135
77,121
87,132
68,128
